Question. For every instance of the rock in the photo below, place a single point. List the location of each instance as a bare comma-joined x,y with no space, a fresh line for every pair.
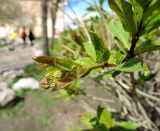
26,83
8,76
6,94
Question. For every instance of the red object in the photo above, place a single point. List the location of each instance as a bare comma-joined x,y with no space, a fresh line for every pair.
24,34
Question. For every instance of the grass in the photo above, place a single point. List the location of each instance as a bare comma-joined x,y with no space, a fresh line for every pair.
10,112
34,71
1,46
45,121
46,101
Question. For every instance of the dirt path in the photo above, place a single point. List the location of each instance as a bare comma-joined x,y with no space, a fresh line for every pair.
44,111
18,58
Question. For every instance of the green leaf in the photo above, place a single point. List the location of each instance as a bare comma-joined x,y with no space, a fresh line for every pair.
151,17
146,46
154,24
65,63
62,63
90,50
120,34
85,62
119,57
101,2
102,53
124,10
88,119
151,12
107,74
91,8
138,6
146,77
128,125
132,65
105,119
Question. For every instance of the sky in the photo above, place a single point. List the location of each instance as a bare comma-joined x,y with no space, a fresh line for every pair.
79,6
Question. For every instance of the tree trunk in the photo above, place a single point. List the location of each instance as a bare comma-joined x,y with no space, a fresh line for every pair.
53,10
44,6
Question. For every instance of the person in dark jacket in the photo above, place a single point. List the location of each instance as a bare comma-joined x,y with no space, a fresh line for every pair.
31,37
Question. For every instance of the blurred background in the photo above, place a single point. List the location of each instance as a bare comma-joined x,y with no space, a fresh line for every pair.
31,28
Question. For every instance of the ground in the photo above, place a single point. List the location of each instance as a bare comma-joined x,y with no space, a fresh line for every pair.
17,58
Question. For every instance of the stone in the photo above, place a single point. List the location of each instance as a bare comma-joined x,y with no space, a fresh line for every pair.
8,76
26,83
6,94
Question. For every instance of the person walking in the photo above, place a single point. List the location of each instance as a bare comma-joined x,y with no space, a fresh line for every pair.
31,37
24,36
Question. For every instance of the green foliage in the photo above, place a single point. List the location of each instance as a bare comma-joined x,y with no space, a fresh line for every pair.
107,74
104,118
45,121
146,77
132,65
102,53
124,10
101,2
138,7
147,46
33,71
85,61
90,50
120,34
103,121
128,126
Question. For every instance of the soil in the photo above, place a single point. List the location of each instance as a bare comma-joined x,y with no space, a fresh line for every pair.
41,111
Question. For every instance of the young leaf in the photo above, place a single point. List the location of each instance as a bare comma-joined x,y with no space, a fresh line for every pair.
102,53
146,77
124,10
119,57
146,46
120,34
128,125
62,63
88,119
153,24
90,50
85,61
105,119
151,12
151,17
45,60
107,74
138,6
65,63
132,65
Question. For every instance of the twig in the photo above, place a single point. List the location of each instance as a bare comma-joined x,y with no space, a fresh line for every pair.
69,49
146,117
86,106
147,95
100,99
154,93
133,84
